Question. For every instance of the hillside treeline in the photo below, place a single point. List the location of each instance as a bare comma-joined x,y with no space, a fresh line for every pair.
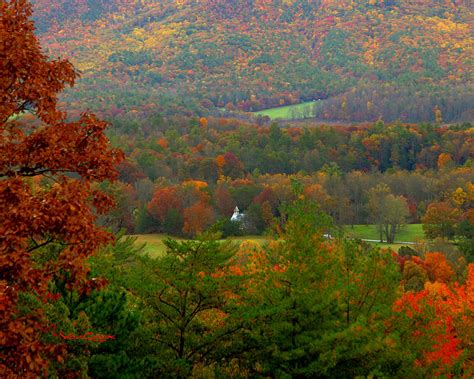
390,59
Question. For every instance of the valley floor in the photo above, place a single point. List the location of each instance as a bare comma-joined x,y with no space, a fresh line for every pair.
154,246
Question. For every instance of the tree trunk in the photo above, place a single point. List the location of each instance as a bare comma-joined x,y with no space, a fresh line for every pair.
387,232
391,233
395,229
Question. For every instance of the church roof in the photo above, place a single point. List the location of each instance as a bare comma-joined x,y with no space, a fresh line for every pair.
237,216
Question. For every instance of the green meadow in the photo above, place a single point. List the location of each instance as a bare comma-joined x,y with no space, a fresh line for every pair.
153,244
408,233
291,112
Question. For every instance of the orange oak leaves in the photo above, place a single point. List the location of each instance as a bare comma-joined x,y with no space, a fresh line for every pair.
48,170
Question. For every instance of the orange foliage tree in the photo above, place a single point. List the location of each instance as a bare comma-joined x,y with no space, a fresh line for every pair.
439,270
164,199
444,160
440,220
197,218
441,327
203,122
68,158
223,200
220,162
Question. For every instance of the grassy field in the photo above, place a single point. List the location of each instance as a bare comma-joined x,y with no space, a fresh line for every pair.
155,247
291,112
409,233
392,246
153,243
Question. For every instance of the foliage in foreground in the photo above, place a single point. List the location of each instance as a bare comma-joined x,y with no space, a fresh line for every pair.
48,200
300,306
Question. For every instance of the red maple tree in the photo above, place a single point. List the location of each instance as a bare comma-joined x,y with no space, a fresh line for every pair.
442,325
48,169
164,199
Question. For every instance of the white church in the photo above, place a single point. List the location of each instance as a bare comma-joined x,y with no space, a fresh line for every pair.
237,216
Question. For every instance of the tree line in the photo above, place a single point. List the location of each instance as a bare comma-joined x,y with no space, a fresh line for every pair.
183,175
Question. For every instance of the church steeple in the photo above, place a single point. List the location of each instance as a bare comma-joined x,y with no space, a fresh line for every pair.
237,216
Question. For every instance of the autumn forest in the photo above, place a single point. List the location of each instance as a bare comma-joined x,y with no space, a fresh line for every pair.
236,189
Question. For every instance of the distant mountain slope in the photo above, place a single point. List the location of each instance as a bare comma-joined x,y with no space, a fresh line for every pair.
392,58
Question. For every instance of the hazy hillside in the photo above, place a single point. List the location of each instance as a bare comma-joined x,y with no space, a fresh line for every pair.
395,59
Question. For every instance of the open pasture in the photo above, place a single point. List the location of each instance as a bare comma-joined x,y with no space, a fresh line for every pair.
291,112
154,243
408,233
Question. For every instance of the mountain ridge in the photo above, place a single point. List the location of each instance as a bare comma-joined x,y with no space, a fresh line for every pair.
194,56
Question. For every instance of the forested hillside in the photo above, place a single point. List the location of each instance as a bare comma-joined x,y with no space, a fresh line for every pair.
392,59
285,289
